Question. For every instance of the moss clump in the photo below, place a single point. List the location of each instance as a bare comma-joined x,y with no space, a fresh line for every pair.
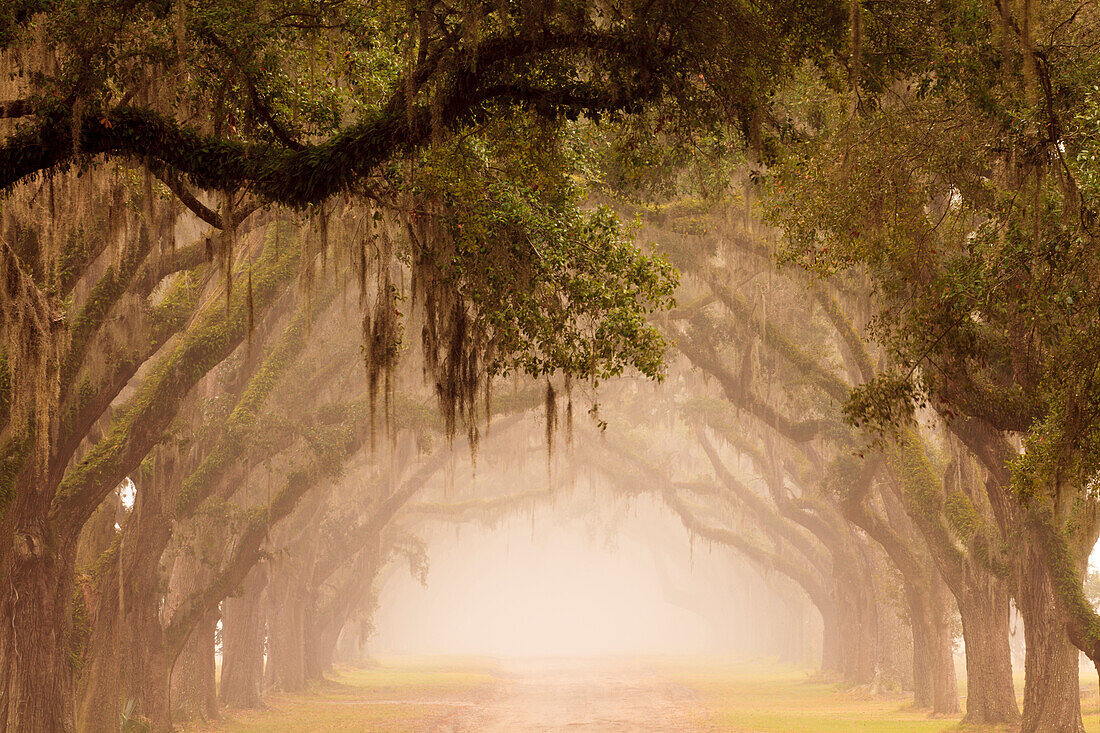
962,517
5,387
218,328
12,458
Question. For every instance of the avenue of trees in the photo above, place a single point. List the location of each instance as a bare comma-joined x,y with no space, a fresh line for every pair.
267,268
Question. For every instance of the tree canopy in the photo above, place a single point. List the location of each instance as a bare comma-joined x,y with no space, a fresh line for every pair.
249,248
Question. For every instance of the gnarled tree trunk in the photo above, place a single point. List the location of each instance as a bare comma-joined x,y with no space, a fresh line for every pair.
990,696
243,634
36,683
1052,702
194,695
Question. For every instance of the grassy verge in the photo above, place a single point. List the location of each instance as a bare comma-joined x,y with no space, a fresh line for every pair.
773,699
408,696
776,700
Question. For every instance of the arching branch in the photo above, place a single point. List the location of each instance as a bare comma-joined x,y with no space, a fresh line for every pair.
316,172
704,357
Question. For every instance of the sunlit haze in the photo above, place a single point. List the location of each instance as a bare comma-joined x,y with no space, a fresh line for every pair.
549,366
544,585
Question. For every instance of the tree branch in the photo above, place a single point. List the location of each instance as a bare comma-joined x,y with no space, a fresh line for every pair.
705,358
318,171
145,416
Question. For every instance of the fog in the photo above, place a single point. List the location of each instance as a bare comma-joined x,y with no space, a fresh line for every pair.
343,342
585,567
549,586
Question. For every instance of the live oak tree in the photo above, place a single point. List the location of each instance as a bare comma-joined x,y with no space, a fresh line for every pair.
226,224
963,194
208,115
789,355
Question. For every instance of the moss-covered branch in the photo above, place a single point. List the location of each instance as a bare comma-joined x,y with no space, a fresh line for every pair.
216,333
856,348
246,552
86,402
240,425
765,513
784,564
780,343
318,171
380,515
479,508
926,503
704,357
101,299
793,566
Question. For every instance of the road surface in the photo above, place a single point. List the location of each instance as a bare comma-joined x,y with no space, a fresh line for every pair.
579,698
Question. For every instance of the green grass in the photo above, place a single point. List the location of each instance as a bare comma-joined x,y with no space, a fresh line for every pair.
785,701
772,699
407,695
395,698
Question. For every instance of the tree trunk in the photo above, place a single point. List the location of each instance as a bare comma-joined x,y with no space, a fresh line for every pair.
36,683
126,673
194,696
349,650
322,648
1052,702
327,619
126,669
192,693
922,664
98,682
945,684
831,650
98,533
856,622
990,696
144,655
935,684
867,625
286,669
243,633
316,655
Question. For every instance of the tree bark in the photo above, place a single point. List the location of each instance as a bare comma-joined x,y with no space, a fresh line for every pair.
194,696
36,682
990,696
243,634
1052,702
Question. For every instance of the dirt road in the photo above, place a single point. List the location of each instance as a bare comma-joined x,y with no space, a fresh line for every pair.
579,698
